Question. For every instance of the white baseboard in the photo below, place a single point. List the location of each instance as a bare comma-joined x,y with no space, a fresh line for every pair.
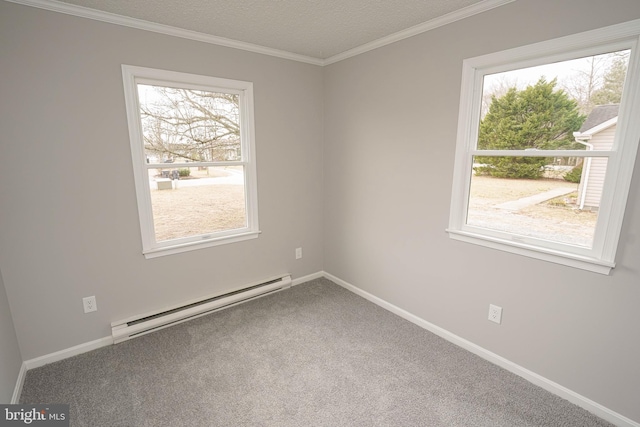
54,357
555,388
17,391
92,345
102,342
66,353
307,278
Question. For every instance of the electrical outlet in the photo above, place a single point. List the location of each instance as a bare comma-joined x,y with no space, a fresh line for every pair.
89,304
495,313
298,253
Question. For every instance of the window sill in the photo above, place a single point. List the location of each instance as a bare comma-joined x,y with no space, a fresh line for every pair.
192,246
557,257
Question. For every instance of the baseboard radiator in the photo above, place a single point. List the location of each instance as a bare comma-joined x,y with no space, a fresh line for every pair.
143,324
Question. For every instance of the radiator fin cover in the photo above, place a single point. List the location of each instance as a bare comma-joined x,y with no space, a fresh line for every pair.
139,325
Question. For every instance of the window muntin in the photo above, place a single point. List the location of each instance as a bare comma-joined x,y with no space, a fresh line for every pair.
192,147
592,248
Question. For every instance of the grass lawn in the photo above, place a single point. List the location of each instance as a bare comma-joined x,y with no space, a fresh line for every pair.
191,211
556,219
202,209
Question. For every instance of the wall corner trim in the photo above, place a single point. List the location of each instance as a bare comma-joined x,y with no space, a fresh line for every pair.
552,387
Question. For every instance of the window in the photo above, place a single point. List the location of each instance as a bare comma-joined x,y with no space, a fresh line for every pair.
546,147
192,144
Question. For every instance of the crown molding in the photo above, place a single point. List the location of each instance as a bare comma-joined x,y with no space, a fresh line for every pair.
112,18
449,18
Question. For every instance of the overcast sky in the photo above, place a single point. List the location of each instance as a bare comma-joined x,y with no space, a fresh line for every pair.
564,71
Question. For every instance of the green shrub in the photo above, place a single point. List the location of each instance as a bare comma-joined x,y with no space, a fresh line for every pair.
574,175
184,172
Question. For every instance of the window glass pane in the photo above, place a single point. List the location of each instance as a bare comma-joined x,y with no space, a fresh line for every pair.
557,106
182,125
196,201
561,206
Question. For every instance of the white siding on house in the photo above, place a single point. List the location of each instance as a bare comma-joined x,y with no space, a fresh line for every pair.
603,140
593,194
597,170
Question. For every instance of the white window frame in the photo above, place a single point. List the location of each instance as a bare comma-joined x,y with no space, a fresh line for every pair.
132,76
601,257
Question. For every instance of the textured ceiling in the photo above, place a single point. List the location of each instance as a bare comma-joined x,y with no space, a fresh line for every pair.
314,28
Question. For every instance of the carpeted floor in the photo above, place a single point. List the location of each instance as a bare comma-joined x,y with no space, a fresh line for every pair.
313,355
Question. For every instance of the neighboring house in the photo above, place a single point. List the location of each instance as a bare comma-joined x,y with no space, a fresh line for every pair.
597,133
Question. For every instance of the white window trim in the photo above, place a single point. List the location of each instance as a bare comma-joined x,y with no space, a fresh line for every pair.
132,75
621,159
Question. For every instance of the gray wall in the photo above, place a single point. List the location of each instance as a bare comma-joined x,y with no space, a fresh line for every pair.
10,358
70,226
390,133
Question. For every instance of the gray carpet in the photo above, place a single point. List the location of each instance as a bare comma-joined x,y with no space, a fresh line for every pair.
314,355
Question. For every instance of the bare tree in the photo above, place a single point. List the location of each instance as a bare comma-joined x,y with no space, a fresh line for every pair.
586,86
613,83
189,125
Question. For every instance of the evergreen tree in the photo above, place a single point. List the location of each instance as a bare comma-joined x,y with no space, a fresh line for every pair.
538,117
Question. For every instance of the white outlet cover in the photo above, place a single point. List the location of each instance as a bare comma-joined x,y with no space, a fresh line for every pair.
495,313
89,304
